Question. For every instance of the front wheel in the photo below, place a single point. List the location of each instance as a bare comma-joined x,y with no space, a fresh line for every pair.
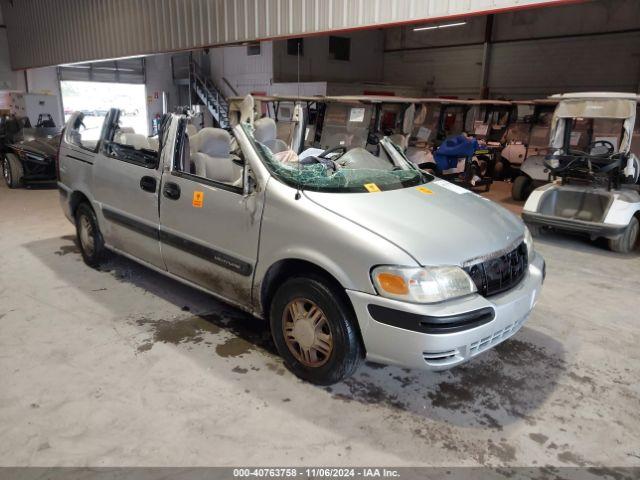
12,170
88,235
628,241
314,331
521,188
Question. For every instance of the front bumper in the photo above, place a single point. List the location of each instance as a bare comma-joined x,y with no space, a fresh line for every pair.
594,229
393,345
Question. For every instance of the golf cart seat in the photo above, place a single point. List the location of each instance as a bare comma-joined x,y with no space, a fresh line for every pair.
213,159
266,133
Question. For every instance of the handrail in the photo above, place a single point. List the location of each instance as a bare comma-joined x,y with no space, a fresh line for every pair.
228,84
209,93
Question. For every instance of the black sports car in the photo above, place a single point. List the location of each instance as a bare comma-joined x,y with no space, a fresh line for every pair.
28,154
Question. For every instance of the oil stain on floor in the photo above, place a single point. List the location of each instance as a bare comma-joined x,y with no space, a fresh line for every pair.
247,334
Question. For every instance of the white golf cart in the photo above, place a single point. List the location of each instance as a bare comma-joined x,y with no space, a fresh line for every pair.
527,144
594,189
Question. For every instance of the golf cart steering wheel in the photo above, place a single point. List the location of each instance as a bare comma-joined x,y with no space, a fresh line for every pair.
340,148
604,143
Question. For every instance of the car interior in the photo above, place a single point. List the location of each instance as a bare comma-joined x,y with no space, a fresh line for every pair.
212,154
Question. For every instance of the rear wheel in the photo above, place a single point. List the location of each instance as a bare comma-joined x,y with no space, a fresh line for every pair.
12,170
314,331
89,237
628,241
521,188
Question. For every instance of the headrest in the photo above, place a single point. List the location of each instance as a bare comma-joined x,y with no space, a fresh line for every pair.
126,130
194,142
191,129
265,130
135,140
214,142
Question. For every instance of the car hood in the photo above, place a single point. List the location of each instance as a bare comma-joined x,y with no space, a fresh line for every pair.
45,147
448,226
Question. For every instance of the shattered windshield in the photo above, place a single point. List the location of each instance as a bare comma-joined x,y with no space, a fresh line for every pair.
340,169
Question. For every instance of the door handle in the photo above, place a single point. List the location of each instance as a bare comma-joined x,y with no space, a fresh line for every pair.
148,184
171,191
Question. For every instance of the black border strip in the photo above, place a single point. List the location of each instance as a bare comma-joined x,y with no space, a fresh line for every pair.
206,253
431,324
177,241
131,223
79,159
207,181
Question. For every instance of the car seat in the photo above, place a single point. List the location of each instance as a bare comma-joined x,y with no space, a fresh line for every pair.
120,131
213,158
135,140
266,133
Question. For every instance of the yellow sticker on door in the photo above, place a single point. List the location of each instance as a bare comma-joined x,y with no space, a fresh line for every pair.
371,187
198,199
425,190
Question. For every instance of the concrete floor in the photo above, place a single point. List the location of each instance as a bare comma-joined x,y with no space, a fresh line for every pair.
125,367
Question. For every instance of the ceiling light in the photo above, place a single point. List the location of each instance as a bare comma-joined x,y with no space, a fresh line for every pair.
437,27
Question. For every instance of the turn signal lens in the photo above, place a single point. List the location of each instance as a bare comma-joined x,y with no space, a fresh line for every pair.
422,284
393,284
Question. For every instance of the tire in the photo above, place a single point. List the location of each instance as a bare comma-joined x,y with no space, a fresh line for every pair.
12,170
628,241
336,320
521,188
88,236
499,170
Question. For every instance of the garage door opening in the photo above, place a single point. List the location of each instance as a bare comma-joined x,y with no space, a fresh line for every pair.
94,99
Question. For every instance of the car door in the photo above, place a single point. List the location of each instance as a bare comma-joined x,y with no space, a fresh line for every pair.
209,226
126,185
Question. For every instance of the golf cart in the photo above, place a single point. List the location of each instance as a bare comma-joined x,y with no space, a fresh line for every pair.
594,189
440,142
527,144
488,121
28,154
284,110
361,121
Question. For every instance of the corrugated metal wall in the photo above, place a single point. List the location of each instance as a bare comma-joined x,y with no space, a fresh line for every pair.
51,32
592,46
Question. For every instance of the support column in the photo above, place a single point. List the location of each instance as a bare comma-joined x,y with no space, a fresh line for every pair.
486,57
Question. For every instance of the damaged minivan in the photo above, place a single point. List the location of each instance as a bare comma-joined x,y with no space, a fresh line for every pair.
347,253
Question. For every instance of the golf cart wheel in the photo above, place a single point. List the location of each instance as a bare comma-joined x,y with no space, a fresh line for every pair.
521,188
628,241
499,169
89,237
12,170
314,330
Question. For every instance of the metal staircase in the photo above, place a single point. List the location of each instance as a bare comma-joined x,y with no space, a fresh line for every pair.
210,95
187,72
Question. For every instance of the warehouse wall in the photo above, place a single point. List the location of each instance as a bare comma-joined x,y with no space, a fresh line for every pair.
365,62
101,29
535,53
246,73
159,79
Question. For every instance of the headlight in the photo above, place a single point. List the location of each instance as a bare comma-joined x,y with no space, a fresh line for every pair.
528,241
422,284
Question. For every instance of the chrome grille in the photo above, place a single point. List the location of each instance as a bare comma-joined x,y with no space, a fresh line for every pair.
498,274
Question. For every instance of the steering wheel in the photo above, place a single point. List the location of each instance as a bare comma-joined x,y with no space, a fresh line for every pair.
328,151
604,143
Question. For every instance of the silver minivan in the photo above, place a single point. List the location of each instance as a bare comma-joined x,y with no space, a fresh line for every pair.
349,253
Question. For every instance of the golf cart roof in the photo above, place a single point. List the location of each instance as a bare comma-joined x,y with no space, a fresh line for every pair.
279,98
370,99
597,95
597,105
538,101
